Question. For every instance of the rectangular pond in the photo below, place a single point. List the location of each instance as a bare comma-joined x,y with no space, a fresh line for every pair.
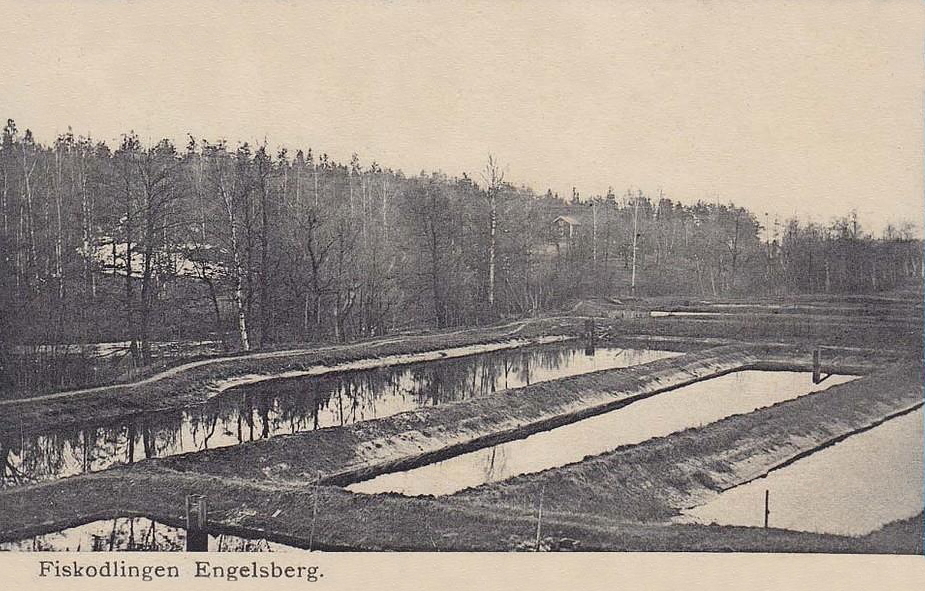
278,407
135,534
688,406
851,488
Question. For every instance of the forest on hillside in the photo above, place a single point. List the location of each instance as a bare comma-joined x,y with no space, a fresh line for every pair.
147,243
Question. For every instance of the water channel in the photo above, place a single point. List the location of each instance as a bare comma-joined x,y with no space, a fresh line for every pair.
851,488
688,406
277,407
141,534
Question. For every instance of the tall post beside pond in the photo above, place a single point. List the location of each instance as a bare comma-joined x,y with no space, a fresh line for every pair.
197,540
817,369
767,510
590,337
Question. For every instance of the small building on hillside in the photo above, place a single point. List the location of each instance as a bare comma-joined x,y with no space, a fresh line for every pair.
567,227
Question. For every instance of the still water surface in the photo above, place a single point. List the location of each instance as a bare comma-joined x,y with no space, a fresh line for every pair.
851,488
268,409
689,406
139,534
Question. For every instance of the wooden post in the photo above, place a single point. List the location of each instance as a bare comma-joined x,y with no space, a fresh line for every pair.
539,521
311,534
197,540
589,337
767,511
635,236
817,370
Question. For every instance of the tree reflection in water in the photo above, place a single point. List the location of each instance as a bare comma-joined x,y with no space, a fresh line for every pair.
133,534
271,408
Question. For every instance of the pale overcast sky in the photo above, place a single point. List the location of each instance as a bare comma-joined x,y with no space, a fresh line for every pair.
809,108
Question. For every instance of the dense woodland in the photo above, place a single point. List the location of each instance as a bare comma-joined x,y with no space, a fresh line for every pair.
147,243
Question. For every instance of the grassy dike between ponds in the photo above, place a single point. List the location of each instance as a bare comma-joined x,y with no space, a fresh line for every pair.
604,502
362,450
654,480
196,382
329,518
818,329
776,356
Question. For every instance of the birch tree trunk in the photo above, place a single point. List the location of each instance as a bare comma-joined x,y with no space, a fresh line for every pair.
227,201
494,177
493,225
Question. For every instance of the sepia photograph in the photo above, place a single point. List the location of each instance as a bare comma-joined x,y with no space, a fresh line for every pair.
420,277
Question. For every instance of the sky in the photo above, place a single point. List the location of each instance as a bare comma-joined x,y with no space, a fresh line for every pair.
809,108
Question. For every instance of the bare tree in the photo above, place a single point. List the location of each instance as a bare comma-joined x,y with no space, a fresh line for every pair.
225,178
493,175
156,170
264,170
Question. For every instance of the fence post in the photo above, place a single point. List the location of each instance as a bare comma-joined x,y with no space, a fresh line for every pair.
197,540
767,510
817,369
589,337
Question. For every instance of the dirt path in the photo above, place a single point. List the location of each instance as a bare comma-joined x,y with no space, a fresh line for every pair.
196,382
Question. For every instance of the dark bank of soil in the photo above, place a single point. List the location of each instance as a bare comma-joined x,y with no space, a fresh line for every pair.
339,520
899,537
